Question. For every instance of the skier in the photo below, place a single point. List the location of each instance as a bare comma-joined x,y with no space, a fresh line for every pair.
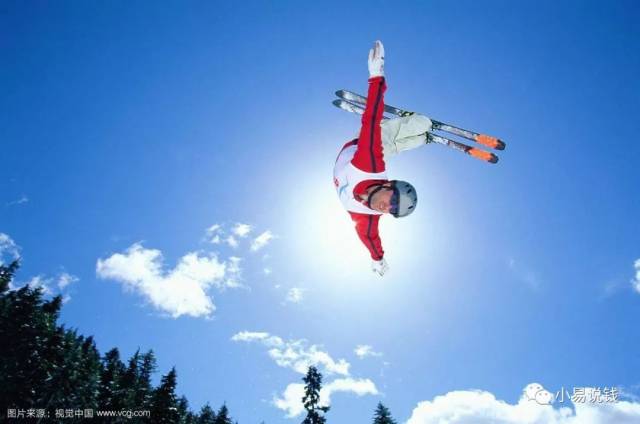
359,172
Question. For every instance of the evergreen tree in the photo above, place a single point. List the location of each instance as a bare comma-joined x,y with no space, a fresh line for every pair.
90,374
76,377
6,275
27,351
136,384
165,405
44,365
129,381
185,415
222,417
383,415
311,399
207,415
110,395
144,390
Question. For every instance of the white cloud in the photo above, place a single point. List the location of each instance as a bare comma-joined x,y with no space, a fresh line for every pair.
261,241
234,273
41,282
295,354
232,236
8,248
20,201
50,286
65,279
267,271
253,336
636,281
179,291
213,233
231,241
291,400
295,295
481,407
299,358
241,230
362,351
359,387
214,229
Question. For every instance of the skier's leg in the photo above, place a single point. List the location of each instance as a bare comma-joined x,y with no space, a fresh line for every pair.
404,133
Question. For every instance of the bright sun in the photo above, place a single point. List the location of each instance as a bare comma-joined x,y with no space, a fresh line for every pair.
329,245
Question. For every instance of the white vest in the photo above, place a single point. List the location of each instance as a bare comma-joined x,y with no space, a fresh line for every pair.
345,178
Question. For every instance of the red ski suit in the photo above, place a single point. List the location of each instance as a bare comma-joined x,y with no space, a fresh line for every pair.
369,158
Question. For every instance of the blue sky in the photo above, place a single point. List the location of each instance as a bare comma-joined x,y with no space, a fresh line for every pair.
135,127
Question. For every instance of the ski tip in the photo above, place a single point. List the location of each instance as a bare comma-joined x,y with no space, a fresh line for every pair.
340,93
482,155
489,141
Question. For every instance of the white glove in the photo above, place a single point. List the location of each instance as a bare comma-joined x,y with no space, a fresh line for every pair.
376,60
380,267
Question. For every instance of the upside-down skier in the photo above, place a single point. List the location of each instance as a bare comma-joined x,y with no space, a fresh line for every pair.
360,174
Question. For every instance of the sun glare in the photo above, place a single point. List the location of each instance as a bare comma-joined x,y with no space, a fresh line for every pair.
328,245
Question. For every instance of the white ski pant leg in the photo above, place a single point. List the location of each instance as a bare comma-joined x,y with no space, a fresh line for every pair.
406,133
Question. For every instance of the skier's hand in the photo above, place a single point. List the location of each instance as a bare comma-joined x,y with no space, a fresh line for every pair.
380,267
376,60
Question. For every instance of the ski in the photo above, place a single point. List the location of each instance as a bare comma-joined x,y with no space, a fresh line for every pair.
431,138
461,147
358,99
350,107
484,139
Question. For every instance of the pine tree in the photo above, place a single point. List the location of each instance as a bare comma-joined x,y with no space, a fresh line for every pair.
311,399
207,415
144,390
222,417
76,362
90,373
165,405
185,415
6,275
44,365
27,331
111,395
129,381
383,415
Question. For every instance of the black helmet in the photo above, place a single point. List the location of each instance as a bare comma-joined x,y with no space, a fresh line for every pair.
404,199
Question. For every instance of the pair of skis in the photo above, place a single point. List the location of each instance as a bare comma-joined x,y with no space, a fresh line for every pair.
355,103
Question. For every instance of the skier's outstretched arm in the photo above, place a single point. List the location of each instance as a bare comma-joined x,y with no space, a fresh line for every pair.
367,229
369,156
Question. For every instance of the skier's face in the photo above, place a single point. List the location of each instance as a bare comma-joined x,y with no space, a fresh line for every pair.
381,200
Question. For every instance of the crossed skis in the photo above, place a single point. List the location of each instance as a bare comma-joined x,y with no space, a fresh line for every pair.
355,103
